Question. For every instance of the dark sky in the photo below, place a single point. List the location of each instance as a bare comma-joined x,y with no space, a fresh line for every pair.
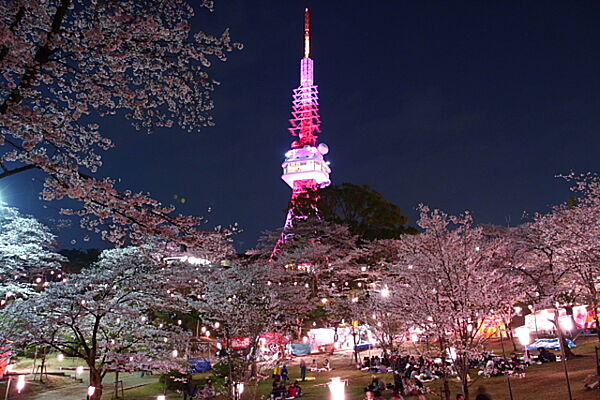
459,105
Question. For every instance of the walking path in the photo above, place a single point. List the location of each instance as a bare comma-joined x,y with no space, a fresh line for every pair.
78,391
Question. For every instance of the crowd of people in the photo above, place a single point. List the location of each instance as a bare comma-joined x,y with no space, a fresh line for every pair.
280,389
193,391
411,372
493,365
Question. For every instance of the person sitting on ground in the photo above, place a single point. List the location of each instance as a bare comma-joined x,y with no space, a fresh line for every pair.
591,382
396,395
545,356
369,395
326,365
377,395
209,391
275,392
281,391
374,385
381,386
294,390
313,366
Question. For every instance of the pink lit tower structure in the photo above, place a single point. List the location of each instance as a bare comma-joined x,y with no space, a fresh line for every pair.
304,168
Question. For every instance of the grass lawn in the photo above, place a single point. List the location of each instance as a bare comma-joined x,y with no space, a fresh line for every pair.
542,382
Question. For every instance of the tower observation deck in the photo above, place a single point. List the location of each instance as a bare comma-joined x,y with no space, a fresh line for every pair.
304,168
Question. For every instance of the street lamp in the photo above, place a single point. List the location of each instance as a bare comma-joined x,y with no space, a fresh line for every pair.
524,335
532,309
336,387
567,324
502,330
20,383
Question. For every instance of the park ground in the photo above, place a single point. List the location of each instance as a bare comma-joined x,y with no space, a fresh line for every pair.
543,382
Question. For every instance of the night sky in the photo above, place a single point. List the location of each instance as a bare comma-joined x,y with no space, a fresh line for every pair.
459,105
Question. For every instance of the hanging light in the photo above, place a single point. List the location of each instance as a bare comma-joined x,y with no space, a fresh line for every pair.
79,370
60,357
217,325
385,292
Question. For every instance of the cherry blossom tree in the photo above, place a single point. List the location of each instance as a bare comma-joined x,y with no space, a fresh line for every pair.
312,267
450,278
558,253
579,226
26,254
28,264
239,300
106,317
67,63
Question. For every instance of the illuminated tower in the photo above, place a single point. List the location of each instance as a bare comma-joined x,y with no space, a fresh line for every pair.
304,168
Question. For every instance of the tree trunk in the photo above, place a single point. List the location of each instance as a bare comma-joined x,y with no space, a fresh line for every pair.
464,375
446,386
116,395
512,339
569,355
95,381
43,364
354,341
595,310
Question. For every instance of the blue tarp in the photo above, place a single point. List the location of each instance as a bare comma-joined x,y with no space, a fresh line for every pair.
299,349
197,366
550,344
363,346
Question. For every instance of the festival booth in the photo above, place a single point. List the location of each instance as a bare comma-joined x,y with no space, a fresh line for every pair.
329,339
542,321
270,344
4,361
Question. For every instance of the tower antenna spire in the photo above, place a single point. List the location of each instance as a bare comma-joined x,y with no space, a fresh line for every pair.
306,33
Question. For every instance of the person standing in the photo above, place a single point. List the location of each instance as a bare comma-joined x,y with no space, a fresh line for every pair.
398,384
302,370
482,394
188,387
277,372
284,374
